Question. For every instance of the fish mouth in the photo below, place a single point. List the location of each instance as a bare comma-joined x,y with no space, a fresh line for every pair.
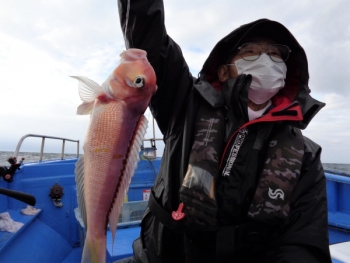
133,54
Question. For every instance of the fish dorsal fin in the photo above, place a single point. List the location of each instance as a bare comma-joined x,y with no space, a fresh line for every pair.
79,179
132,159
89,91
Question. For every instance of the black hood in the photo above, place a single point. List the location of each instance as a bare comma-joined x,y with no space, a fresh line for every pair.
296,87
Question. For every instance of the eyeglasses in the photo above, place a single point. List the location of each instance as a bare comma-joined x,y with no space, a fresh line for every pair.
252,51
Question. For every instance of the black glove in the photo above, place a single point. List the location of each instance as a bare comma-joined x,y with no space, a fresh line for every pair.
236,98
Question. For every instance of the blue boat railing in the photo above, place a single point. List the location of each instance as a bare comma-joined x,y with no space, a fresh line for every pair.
43,137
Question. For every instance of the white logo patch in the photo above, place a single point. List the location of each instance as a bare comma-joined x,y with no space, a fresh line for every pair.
234,151
278,193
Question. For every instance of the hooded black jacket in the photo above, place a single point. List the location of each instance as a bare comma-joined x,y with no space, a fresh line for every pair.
302,237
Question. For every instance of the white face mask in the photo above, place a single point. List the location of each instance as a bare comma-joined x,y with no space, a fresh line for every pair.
268,77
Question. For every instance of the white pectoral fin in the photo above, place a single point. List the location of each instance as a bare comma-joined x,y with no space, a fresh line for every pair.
89,91
85,108
133,157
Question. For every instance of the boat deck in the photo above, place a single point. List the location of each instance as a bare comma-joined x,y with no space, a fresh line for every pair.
56,234
122,247
7,237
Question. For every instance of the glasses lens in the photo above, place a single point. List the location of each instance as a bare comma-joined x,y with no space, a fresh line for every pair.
251,51
278,53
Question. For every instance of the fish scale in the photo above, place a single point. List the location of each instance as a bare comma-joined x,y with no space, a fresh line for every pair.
105,185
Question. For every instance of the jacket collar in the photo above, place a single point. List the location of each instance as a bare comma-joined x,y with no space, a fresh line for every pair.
214,97
283,110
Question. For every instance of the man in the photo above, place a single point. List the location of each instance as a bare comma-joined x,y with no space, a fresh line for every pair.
238,181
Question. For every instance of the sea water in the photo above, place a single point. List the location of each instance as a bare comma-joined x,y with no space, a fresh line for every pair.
34,157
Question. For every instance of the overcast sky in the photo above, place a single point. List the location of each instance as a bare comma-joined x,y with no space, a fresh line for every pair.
42,43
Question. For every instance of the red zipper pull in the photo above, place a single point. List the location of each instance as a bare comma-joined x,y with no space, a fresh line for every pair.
178,215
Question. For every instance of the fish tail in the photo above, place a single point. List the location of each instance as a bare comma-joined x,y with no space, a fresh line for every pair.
94,250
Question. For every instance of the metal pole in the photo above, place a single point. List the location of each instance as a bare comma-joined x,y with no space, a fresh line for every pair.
42,149
63,144
77,149
154,133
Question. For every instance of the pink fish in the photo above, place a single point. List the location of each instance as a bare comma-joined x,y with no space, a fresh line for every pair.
112,145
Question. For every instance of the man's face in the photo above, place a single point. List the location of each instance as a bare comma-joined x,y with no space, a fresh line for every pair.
228,71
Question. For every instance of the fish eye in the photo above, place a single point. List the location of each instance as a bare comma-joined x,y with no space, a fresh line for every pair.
139,82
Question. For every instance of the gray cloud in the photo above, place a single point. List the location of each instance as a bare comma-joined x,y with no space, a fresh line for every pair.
42,43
